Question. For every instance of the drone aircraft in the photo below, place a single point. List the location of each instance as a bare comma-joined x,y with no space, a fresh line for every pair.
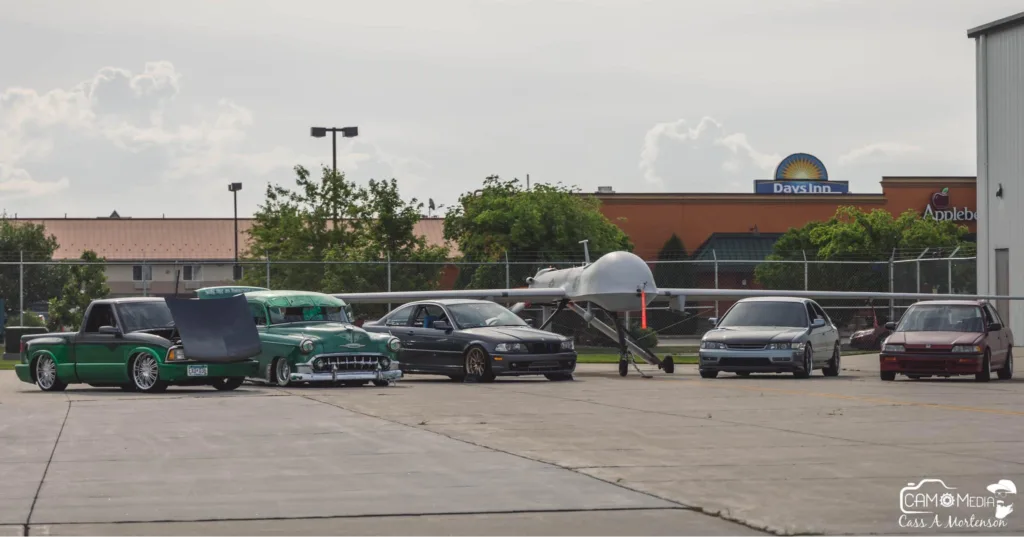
621,282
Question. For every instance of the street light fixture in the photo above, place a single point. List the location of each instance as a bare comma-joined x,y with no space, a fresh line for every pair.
237,270
346,132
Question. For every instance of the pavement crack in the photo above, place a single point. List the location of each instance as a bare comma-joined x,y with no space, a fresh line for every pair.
678,505
39,489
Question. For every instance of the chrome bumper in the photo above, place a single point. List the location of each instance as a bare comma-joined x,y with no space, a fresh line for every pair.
334,376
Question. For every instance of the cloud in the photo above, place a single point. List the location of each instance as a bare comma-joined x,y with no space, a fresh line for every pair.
877,152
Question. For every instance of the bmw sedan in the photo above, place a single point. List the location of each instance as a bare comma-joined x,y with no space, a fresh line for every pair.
771,335
474,340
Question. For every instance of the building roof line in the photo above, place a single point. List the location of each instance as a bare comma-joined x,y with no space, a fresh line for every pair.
1000,25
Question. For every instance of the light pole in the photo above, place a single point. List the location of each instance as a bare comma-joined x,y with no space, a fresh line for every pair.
234,188
346,132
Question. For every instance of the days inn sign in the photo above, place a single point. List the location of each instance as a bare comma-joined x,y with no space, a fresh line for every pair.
939,208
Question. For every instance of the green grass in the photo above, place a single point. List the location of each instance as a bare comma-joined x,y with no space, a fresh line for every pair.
680,355
614,358
8,365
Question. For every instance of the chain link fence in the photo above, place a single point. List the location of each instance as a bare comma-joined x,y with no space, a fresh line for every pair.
26,283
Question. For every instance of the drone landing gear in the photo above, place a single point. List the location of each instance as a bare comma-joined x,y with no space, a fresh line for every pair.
625,355
628,349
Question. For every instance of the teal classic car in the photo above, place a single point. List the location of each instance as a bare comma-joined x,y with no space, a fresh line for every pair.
308,337
145,345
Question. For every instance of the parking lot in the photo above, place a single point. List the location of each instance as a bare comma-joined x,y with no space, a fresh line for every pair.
604,455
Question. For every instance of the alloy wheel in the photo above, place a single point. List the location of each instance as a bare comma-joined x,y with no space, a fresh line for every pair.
284,372
46,372
145,372
475,362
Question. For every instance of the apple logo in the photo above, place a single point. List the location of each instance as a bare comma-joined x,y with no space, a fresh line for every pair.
940,200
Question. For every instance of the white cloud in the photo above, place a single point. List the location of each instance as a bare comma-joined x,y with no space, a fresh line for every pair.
878,152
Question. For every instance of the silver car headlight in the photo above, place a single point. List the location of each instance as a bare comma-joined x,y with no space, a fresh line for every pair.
780,346
510,347
306,346
394,344
712,345
568,345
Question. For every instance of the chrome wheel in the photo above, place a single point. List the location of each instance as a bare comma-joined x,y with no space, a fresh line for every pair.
475,362
46,373
145,372
283,372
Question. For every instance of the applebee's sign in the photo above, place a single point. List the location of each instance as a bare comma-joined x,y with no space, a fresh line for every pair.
940,209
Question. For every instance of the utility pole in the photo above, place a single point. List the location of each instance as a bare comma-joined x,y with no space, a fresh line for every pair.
236,271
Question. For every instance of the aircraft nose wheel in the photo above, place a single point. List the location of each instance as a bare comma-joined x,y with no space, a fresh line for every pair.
667,365
623,367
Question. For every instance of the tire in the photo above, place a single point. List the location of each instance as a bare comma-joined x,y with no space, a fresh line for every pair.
45,370
144,372
832,369
986,368
228,384
1006,373
559,377
668,365
477,365
743,373
381,383
623,368
280,368
808,364
708,373
887,375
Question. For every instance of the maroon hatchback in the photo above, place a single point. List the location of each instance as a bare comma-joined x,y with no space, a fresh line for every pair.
946,338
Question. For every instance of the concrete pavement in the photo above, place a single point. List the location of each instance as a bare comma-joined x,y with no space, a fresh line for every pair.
599,456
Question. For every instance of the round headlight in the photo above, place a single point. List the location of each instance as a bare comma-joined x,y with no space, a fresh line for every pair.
394,344
385,363
306,346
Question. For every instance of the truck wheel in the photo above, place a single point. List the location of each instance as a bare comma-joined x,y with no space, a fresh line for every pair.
144,371
46,375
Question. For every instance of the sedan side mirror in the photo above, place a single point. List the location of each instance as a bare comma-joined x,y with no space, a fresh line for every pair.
529,322
890,326
818,323
112,330
994,327
713,321
442,325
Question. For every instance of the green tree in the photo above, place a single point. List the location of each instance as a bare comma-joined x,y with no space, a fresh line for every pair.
27,241
853,234
83,283
542,224
672,271
348,232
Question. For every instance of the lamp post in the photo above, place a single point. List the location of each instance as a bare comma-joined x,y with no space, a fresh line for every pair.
346,132
234,188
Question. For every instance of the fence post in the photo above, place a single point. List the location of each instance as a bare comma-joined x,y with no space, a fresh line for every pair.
949,270
389,278
145,281
715,256
507,275
268,269
21,288
918,263
892,285
806,286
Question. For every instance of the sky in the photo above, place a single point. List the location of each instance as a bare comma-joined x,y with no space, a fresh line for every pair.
152,108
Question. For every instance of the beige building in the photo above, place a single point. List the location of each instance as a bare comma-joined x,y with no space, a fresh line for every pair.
150,256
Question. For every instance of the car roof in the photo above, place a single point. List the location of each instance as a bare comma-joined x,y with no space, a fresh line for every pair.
949,303
129,299
451,301
776,299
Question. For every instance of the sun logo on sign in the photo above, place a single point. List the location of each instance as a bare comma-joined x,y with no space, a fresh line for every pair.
801,167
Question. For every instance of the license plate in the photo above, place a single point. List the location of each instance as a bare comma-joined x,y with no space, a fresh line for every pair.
197,371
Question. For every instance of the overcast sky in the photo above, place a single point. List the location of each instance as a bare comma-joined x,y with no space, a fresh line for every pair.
153,107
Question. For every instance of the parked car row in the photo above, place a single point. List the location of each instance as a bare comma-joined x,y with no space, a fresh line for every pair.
230,334
795,335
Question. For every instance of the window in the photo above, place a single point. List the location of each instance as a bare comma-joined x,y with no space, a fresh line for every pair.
142,272
820,312
767,313
259,313
192,273
993,314
476,314
811,313
399,317
99,315
426,316
144,316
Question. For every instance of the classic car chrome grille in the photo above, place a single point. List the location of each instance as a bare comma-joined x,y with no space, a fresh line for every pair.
544,348
746,346
345,362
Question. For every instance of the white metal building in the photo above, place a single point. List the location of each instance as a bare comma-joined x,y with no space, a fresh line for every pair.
1000,186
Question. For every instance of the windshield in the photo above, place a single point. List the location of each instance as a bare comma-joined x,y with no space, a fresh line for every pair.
939,318
765,314
302,314
485,314
144,316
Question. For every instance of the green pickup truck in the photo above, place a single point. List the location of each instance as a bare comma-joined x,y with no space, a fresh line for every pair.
146,344
309,337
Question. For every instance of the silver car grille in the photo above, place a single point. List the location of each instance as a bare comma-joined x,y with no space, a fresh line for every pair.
345,362
746,346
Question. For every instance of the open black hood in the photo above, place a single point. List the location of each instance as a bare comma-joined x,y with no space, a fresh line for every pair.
215,330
